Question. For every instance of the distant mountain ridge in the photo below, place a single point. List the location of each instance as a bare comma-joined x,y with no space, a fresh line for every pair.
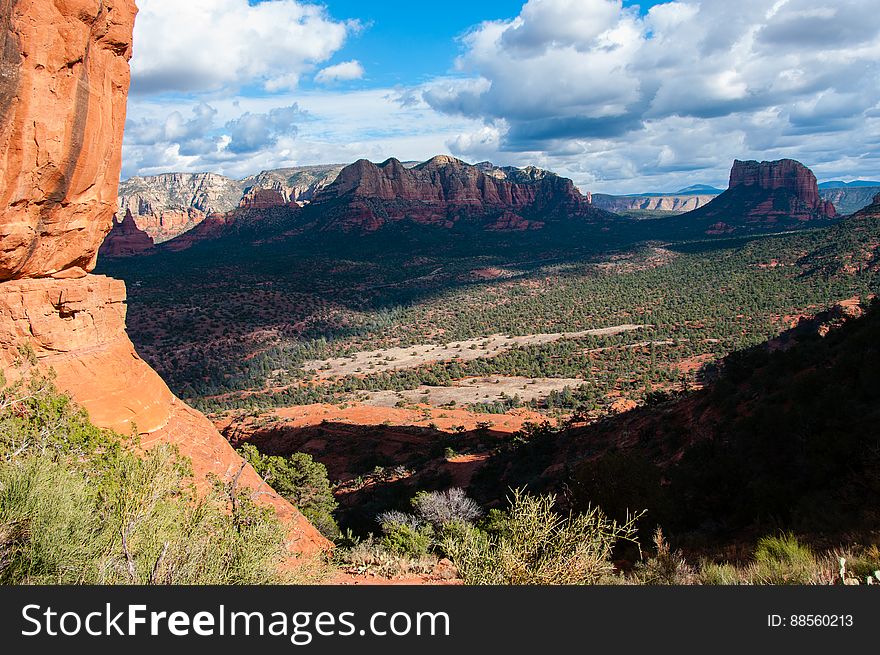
445,192
839,184
657,202
170,204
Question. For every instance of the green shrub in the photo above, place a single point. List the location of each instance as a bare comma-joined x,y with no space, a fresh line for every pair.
407,540
144,525
302,481
79,505
531,543
783,560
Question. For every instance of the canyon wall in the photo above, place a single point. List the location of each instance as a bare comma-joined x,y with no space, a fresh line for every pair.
63,92
851,199
166,205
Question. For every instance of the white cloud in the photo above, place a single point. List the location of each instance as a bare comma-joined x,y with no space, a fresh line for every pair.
347,70
602,93
619,102
204,45
249,134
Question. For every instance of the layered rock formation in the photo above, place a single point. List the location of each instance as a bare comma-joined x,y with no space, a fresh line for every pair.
64,83
781,193
281,186
444,191
165,206
125,239
651,203
847,200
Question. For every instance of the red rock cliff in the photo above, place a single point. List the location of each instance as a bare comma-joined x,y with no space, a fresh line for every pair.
62,94
768,194
444,190
786,174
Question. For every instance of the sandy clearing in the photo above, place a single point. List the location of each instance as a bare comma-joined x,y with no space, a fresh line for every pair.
392,359
474,390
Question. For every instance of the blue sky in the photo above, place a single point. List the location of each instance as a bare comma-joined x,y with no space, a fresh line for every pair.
408,42
621,97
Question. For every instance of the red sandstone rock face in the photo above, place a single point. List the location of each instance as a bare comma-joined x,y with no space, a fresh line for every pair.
779,193
64,81
168,223
785,174
442,191
125,239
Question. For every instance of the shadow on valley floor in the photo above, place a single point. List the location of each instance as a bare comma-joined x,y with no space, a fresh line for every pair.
381,467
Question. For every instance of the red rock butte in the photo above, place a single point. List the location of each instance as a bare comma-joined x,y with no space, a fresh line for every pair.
125,239
767,193
444,190
63,89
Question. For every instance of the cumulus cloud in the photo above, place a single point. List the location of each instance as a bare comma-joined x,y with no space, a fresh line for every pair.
201,45
238,136
347,70
618,100
252,132
601,91
201,141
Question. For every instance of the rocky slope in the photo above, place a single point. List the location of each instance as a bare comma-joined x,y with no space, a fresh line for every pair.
165,206
125,239
764,195
63,91
444,192
853,247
